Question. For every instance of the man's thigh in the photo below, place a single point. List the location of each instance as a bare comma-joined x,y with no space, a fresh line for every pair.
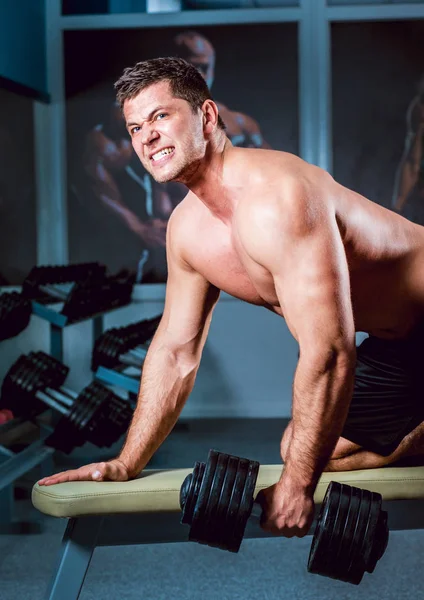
384,406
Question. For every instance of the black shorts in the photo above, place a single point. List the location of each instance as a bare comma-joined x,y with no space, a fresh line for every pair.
388,395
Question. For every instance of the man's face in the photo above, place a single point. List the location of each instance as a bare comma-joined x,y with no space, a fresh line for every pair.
166,135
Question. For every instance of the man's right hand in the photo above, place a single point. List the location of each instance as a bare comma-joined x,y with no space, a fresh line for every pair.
113,470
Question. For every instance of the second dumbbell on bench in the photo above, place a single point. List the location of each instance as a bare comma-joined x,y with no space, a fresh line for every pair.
97,415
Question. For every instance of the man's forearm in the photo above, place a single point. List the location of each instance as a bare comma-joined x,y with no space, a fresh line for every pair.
164,389
321,398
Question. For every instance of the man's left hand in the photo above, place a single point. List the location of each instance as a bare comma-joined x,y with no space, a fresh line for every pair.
286,510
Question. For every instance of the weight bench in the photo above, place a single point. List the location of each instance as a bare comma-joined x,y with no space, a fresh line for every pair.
147,511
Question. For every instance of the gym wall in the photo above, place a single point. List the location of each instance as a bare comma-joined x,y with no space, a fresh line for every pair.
22,44
17,187
378,69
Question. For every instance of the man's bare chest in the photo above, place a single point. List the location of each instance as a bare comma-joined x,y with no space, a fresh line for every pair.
218,254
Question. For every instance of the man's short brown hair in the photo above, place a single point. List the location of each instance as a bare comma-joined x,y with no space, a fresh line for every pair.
184,79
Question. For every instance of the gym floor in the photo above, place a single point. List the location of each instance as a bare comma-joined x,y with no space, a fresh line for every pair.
263,569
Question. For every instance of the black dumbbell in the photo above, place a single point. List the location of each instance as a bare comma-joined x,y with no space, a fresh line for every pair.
93,297
351,533
29,375
15,314
97,416
124,345
59,274
94,415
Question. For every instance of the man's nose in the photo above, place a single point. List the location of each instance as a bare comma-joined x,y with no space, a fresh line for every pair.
148,135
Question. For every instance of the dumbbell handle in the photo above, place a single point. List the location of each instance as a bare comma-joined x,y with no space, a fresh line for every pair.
57,400
256,511
139,351
62,394
53,291
134,357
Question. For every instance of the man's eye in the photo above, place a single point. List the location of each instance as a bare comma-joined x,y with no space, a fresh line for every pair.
160,115
134,130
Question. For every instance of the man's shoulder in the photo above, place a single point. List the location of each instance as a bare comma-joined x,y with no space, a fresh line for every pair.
293,191
182,224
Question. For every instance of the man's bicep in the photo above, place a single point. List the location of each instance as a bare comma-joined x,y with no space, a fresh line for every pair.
189,303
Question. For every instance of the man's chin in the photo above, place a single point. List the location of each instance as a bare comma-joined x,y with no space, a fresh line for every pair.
162,178
166,177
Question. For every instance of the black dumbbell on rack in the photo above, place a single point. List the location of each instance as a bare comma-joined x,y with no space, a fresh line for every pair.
91,298
40,281
351,533
97,415
39,284
123,345
15,314
91,290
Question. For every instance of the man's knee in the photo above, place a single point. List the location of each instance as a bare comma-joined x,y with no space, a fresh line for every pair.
344,448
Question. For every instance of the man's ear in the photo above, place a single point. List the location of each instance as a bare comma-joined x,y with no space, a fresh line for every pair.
210,116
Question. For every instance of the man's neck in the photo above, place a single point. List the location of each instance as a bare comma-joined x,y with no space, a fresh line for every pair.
208,183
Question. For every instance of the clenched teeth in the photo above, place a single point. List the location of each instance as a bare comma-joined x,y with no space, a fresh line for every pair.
162,153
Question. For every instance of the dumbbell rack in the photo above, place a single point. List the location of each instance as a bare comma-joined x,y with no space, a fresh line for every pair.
58,322
125,376
15,464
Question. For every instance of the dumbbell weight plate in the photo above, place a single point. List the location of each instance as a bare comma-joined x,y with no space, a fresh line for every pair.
67,434
82,409
189,492
15,314
213,517
376,536
116,419
223,503
234,516
355,563
250,470
19,387
345,536
340,564
224,518
198,527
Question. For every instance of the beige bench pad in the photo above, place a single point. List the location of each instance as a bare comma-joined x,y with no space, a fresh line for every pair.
158,491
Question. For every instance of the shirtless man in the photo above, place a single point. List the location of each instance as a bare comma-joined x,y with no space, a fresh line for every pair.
277,232
408,196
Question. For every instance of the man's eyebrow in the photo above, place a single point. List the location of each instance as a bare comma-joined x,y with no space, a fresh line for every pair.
150,115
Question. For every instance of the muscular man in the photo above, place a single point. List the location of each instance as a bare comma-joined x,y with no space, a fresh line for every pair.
242,129
408,196
279,233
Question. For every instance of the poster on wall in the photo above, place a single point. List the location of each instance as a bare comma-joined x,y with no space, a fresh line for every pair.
18,246
117,213
378,112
